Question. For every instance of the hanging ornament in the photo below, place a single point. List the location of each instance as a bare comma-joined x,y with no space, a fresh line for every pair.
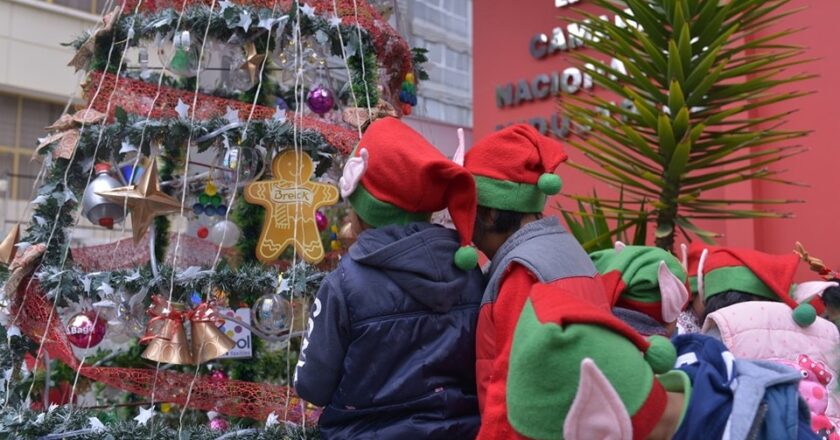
408,93
217,422
335,244
248,162
143,61
202,232
218,376
208,342
131,173
225,233
320,100
99,210
165,336
253,61
271,314
183,58
86,329
322,221
8,247
209,204
290,202
145,200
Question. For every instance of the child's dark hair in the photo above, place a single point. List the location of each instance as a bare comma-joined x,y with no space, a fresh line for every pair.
729,298
831,296
503,221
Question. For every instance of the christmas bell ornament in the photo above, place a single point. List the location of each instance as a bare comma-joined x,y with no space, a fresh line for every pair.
271,314
320,100
86,329
99,210
208,342
165,334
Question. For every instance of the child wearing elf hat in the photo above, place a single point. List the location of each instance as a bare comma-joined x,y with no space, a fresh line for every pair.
647,284
755,309
513,170
578,373
390,348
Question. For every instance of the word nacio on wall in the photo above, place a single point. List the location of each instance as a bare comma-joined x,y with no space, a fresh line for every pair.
569,80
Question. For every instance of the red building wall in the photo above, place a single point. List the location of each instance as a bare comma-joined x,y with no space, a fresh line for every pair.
502,32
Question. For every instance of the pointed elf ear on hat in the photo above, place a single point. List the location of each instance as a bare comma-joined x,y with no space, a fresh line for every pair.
352,174
458,157
619,246
700,267
597,410
805,314
674,293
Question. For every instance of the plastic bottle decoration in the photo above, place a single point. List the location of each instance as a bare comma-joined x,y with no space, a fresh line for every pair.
99,210
86,330
210,202
408,94
320,100
184,61
335,244
271,314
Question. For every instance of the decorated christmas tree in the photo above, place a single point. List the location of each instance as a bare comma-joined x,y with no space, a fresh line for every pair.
207,139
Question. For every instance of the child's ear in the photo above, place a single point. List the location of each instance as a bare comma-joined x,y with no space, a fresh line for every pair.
597,411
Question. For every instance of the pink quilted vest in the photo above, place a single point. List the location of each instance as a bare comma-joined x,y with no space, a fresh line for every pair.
766,330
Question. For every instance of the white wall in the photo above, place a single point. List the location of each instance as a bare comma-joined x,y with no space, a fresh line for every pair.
32,60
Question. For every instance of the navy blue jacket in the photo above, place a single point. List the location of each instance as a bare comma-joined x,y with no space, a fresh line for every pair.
390,351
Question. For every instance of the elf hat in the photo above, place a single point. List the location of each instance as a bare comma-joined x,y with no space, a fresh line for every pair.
573,362
514,169
396,177
764,275
643,278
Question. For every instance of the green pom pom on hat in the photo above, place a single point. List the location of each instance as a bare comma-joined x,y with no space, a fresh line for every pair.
550,184
804,315
466,258
661,355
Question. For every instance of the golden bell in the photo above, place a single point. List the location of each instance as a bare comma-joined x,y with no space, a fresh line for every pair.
208,342
168,349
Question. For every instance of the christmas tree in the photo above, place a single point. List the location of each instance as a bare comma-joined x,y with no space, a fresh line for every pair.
208,138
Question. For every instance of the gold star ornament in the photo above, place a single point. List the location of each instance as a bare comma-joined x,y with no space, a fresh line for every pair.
145,200
253,61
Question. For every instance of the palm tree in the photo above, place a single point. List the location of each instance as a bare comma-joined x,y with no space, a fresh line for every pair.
694,73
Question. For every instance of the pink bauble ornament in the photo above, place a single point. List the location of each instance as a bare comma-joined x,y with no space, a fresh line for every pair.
218,376
321,220
320,100
85,330
219,424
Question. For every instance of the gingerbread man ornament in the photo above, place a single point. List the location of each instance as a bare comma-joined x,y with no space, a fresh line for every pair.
290,202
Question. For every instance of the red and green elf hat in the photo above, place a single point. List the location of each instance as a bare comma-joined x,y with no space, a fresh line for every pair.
514,169
760,274
578,372
396,177
646,279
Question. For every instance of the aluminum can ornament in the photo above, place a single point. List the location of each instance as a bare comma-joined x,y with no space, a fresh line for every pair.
99,210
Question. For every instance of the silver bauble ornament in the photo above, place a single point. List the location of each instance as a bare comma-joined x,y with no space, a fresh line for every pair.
271,314
96,208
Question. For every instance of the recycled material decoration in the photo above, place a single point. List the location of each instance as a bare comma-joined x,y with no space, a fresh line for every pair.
291,202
